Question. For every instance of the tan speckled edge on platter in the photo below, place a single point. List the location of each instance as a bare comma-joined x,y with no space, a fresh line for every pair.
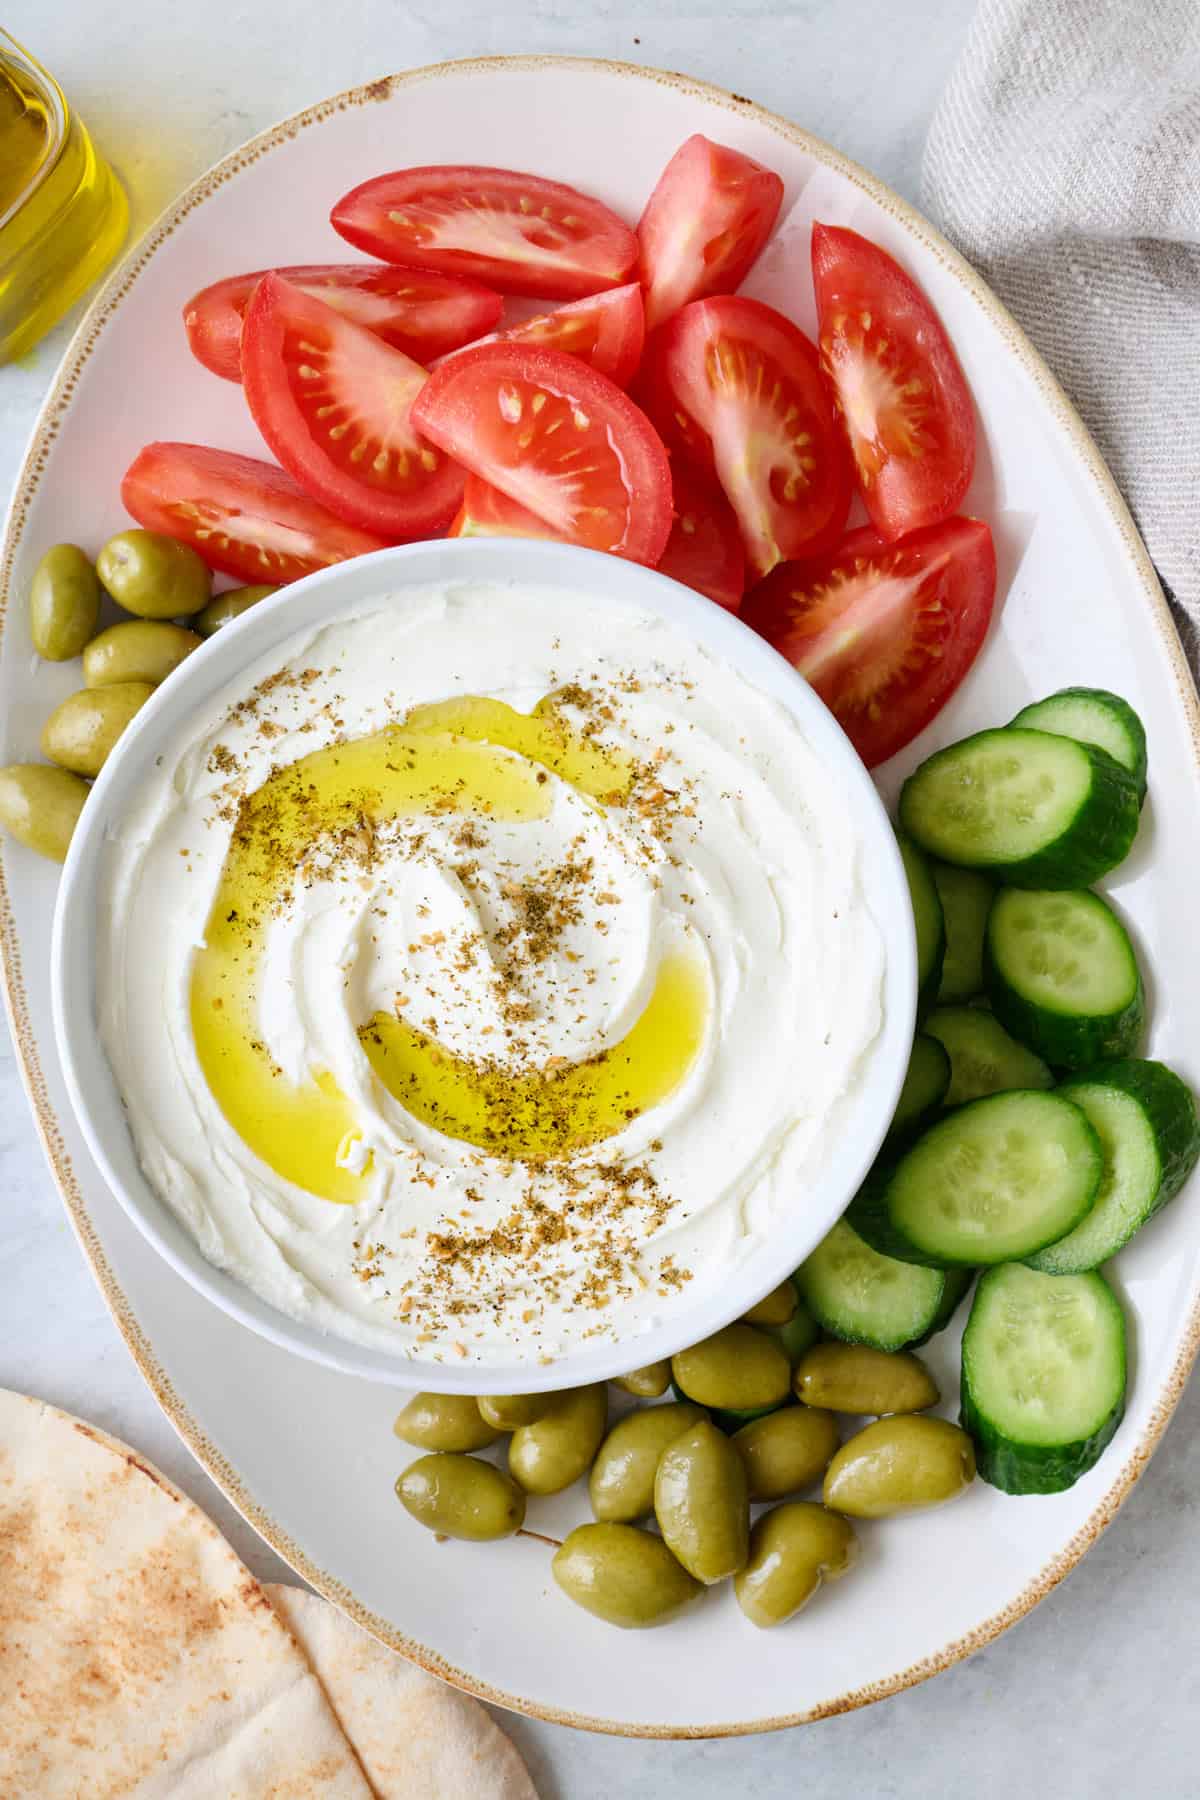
227,1478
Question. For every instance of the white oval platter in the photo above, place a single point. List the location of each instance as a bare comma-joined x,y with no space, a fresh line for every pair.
307,1453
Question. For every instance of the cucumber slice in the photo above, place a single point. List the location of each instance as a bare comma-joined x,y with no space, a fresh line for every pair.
1043,1376
1041,811
924,1089
1093,716
983,1058
991,1183
1062,976
858,1295
966,898
1146,1120
958,1285
798,1335
930,926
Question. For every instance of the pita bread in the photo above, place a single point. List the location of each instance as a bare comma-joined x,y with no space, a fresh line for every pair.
416,1738
137,1655
139,1658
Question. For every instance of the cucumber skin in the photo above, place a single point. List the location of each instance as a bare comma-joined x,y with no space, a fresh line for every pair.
924,897
1027,719
1171,1108
1100,837
1065,1042
954,989
868,1212
1036,1468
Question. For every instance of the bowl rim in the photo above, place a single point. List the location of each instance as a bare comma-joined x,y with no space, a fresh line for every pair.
348,589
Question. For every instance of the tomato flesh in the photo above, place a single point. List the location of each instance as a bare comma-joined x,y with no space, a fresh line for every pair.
334,403
704,550
704,225
884,631
605,330
559,438
246,518
519,233
900,390
486,512
422,314
737,389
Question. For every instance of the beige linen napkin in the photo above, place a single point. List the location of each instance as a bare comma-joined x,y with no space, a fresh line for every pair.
1064,162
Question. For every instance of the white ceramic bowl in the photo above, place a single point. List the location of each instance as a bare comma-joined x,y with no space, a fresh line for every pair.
94,1092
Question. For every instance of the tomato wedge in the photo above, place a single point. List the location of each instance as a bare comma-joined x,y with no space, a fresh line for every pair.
737,389
704,550
333,402
422,314
884,631
704,225
246,518
486,512
558,437
519,233
900,390
605,330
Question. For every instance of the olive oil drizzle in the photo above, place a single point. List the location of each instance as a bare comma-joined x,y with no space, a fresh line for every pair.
477,757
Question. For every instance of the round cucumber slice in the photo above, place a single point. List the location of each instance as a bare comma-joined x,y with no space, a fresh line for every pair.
927,918
996,1180
924,1089
1146,1120
1093,716
1036,809
1062,976
984,1059
858,1295
966,898
1043,1377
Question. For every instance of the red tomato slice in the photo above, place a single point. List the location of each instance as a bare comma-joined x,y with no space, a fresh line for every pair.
333,402
563,440
704,225
883,631
519,233
486,512
422,314
605,330
737,388
245,517
900,390
704,550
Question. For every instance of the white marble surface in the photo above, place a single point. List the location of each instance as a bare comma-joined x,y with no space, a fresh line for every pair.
1094,1694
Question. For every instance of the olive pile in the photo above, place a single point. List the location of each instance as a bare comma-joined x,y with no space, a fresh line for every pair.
753,1420
159,582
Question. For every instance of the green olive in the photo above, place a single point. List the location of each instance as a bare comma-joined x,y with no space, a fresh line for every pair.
557,1448
646,1383
786,1451
793,1549
701,1504
154,576
64,603
853,1378
621,1485
138,650
226,607
444,1422
507,1411
898,1465
738,1370
40,806
623,1575
81,731
775,1308
462,1497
